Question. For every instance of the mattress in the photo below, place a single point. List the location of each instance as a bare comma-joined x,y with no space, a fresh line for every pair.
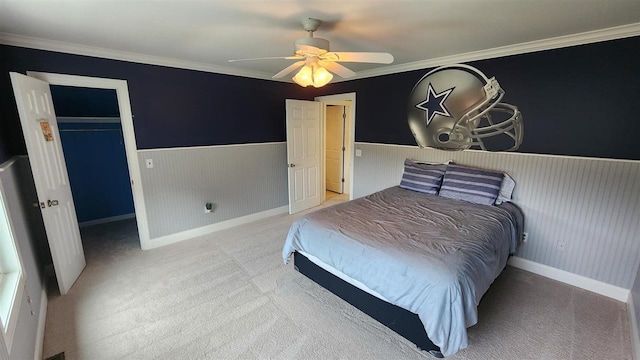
342,276
430,255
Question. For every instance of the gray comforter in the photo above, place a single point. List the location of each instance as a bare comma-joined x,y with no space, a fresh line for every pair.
431,255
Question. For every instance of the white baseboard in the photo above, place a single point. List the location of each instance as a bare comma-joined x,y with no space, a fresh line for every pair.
633,323
42,319
583,282
106,220
205,230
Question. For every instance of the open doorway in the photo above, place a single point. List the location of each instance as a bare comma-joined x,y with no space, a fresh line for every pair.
34,101
48,166
126,123
335,116
338,122
95,156
93,144
306,150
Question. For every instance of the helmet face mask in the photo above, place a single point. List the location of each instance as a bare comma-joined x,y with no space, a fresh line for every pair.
457,107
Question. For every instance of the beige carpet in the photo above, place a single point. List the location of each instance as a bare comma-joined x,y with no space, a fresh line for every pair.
228,296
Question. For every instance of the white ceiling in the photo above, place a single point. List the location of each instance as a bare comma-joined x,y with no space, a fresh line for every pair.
205,34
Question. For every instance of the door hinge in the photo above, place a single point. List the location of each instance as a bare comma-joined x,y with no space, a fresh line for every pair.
344,116
343,148
342,180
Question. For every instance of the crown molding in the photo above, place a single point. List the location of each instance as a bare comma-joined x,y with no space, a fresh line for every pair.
618,32
588,37
76,49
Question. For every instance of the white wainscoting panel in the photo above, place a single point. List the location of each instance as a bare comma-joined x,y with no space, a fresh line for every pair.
238,179
590,204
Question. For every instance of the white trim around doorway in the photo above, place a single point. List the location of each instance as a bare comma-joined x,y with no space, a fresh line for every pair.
126,116
347,99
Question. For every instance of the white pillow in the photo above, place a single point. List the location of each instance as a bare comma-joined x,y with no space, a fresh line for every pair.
506,189
447,162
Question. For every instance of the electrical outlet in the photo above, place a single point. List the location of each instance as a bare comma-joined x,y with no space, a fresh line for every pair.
525,237
208,208
561,245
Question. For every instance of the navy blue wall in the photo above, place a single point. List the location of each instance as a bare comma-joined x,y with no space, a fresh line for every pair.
72,101
578,101
575,101
97,168
171,107
94,153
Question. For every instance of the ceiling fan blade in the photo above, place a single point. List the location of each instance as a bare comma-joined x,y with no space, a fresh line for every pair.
288,69
270,58
340,70
366,57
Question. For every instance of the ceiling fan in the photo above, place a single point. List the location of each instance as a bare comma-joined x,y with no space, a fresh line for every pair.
315,59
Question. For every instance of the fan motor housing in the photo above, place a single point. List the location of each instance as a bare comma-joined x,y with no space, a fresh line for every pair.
319,43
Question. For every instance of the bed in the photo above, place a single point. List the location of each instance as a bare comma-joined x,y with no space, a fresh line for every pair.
417,254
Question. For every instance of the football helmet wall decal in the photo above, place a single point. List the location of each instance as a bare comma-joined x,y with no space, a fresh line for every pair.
456,107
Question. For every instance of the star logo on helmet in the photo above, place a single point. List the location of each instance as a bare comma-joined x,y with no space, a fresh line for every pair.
434,104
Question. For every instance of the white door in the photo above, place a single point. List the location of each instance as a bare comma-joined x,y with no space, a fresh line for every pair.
40,128
335,148
303,154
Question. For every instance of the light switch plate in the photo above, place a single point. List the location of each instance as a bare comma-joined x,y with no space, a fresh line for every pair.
358,152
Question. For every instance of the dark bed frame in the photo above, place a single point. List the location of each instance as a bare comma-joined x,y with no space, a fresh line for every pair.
403,322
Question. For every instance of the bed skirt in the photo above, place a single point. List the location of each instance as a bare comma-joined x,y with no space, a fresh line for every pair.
403,322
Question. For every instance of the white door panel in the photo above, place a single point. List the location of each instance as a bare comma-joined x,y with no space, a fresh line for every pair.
298,185
312,189
312,138
303,154
40,128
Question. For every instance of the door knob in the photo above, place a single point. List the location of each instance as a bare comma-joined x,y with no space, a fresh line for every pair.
51,203
292,165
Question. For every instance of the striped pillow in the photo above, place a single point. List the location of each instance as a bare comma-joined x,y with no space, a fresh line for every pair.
472,185
425,178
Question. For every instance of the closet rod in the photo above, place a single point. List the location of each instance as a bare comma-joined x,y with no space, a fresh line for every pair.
88,119
87,130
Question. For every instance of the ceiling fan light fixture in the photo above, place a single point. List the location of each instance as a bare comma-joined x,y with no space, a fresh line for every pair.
304,77
321,76
313,74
